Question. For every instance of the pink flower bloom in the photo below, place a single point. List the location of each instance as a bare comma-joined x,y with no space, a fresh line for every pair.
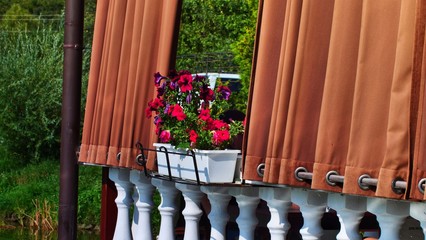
178,113
185,82
220,136
207,94
165,136
148,112
220,125
193,136
204,114
156,103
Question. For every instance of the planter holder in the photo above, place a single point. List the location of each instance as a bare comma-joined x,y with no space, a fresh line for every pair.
142,159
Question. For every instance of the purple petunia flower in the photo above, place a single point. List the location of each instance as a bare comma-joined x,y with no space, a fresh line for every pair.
161,90
157,78
189,98
224,92
157,120
173,85
166,109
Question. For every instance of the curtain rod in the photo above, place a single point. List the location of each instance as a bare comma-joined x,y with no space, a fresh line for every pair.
365,181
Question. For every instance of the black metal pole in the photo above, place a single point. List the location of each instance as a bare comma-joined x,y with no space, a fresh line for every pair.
70,128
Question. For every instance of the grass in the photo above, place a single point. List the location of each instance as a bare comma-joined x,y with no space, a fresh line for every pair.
29,194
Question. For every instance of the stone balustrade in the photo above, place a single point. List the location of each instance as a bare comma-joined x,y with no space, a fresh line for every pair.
278,210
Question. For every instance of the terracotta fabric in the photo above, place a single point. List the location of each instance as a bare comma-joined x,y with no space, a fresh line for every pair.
132,40
419,107
333,90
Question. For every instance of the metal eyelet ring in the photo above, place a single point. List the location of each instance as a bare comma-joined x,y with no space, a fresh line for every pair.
260,170
118,156
328,180
297,171
394,188
360,184
420,185
139,160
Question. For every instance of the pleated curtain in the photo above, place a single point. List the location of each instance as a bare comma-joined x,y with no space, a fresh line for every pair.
338,86
133,39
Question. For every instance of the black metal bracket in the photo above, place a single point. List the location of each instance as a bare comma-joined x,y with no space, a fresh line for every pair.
142,160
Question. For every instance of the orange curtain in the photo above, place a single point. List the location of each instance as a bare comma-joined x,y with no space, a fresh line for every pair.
419,108
333,87
133,39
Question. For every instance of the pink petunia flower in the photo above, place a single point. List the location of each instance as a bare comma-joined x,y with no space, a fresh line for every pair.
193,136
165,136
220,136
220,125
185,82
204,114
178,113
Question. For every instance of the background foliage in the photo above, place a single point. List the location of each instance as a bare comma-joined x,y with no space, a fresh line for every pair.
218,36
31,59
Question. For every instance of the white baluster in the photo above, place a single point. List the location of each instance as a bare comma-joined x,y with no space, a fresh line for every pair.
350,211
418,211
312,205
218,216
141,227
391,214
279,202
247,199
124,199
168,207
192,212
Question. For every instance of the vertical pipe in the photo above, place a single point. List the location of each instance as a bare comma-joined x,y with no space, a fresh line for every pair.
70,128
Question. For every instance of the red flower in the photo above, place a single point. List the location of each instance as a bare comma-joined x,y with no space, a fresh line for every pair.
219,124
148,112
204,114
165,136
207,94
178,113
220,136
209,124
193,136
185,82
155,104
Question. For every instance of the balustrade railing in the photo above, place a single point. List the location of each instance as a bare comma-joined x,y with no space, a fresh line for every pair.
395,219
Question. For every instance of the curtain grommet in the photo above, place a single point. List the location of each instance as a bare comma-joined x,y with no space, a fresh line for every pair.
140,160
327,178
420,185
297,171
362,185
118,157
260,170
395,189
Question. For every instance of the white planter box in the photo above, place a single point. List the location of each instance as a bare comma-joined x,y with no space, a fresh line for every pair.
214,166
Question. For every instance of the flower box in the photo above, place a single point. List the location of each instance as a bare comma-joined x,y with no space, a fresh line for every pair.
214,166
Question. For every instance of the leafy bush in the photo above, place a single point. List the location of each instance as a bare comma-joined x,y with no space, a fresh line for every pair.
31,81
31,90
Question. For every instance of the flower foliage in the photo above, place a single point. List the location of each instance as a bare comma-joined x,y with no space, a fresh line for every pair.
188,113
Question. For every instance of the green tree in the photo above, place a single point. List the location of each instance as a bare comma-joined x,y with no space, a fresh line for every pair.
210,26
218,26
31,82
243,52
